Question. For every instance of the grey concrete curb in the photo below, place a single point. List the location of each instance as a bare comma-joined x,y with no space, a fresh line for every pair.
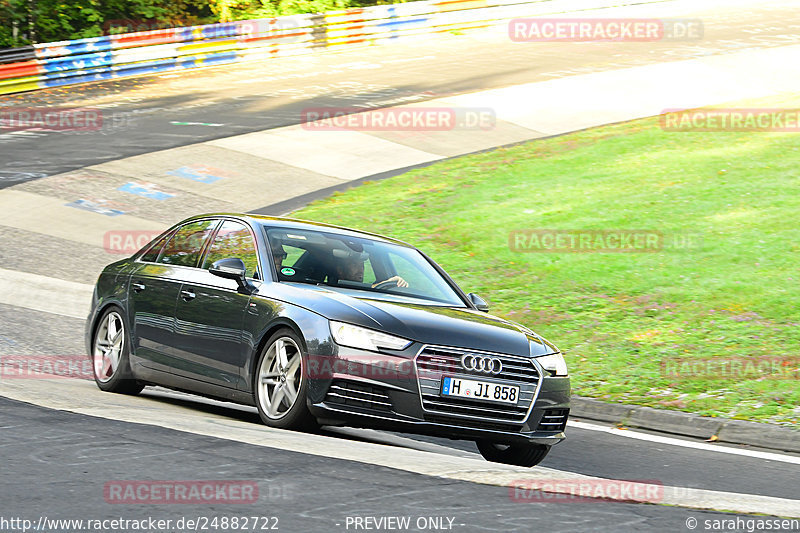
688,424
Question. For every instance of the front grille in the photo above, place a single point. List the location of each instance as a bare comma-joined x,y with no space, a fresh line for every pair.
435,362
474,424
353,394
554,420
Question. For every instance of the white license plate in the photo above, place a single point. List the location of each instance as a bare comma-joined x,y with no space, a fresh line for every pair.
479,390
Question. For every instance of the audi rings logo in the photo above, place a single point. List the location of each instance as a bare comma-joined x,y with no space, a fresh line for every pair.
479,363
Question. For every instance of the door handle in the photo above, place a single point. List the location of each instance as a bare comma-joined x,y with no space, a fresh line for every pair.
187,294
138,287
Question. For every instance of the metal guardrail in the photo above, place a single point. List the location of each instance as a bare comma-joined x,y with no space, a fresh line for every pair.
129,54
14,55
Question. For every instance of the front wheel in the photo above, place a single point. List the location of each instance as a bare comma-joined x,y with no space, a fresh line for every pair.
513,454
281,384
110,361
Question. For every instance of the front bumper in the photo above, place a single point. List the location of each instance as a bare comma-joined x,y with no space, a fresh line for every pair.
392,392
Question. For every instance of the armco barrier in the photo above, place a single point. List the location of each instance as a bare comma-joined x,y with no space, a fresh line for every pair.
115,56
14,55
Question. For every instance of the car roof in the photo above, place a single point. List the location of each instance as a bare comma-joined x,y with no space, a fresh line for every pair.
293,223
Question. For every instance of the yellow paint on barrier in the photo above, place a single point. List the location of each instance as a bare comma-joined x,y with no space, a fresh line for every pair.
15,85
462,26
214,46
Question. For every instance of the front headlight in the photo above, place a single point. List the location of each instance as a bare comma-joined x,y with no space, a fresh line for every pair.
554,363
367,339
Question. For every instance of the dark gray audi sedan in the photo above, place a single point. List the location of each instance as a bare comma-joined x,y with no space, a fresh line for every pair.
321,325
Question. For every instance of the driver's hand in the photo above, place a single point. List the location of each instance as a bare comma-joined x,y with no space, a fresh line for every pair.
400,281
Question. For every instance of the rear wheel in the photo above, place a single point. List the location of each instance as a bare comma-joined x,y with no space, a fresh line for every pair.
110,361
281,383
513,454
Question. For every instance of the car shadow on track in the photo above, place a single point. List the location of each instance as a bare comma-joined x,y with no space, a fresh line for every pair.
249,414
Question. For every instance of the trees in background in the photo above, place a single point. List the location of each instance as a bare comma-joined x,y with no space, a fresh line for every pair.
30,21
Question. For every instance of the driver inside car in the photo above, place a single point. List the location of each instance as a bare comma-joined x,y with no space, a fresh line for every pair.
352,269
278,255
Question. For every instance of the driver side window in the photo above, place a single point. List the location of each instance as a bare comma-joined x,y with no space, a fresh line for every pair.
234,240
400,266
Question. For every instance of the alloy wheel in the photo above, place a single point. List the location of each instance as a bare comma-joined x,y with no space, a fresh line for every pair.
280,378
108,345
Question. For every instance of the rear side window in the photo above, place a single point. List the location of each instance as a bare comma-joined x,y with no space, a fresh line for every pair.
186,245
234,240
152,253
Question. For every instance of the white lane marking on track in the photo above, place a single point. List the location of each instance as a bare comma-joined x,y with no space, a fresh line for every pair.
685,443
210,124
46,294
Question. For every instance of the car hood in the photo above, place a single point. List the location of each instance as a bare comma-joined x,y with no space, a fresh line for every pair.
427,324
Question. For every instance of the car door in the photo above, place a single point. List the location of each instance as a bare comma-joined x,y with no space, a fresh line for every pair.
210,311
154,289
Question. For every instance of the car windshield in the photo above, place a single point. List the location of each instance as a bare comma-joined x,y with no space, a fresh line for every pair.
346,263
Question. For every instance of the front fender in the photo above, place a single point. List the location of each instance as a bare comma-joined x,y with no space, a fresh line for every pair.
265,316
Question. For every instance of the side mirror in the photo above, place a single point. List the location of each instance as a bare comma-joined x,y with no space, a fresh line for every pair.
231,268
479,303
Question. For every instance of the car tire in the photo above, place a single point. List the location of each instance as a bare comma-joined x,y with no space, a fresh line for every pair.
111,354
513,454
280,383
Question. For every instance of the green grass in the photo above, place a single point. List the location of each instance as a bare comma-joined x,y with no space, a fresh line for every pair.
617,316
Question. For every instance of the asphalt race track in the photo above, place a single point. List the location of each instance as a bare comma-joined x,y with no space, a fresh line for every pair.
159,112
61,446
305,493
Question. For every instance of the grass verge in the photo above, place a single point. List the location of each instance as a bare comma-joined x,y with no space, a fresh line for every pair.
729,294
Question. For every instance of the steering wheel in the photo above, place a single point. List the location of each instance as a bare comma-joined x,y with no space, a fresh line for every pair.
386,284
